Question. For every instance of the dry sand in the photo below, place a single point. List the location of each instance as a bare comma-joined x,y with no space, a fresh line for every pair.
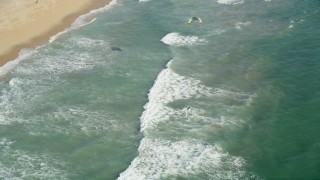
29,23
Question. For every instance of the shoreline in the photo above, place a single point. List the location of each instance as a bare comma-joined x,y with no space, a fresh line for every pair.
43,38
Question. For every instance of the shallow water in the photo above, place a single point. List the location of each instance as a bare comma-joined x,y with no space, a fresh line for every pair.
132,91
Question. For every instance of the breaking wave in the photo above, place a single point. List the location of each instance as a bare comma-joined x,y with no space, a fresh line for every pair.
176,39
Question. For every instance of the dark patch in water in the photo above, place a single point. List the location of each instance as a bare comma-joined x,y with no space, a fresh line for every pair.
116,49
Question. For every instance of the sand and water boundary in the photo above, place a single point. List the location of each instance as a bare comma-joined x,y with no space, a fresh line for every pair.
30,23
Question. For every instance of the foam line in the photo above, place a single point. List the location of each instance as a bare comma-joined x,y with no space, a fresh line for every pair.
79,22
162,158
170,86
24,53
165,159
233,2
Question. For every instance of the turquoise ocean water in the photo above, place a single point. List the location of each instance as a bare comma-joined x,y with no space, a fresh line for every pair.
132,91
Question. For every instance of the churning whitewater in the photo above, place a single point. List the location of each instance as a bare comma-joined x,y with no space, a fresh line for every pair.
163,157
133,91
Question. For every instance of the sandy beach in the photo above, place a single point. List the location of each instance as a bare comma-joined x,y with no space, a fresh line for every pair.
30,23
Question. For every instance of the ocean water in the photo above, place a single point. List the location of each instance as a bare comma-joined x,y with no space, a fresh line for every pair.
132,91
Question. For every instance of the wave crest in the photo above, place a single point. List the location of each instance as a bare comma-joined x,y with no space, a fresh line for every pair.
161,159
230,1
176,39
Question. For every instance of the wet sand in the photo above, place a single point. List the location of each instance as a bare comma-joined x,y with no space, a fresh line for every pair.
30,23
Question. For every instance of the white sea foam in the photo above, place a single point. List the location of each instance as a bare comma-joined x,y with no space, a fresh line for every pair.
230,2
161,158
18,164
24,53
78,120
5,144
22,92
170,86
176,39
85,19
239,25
81,121
82,21
79,22
83,42
215,32
165,159
78,59
7,67
22,89
144,0
55,37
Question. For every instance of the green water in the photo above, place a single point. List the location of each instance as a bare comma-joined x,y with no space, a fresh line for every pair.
141,94
282,142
